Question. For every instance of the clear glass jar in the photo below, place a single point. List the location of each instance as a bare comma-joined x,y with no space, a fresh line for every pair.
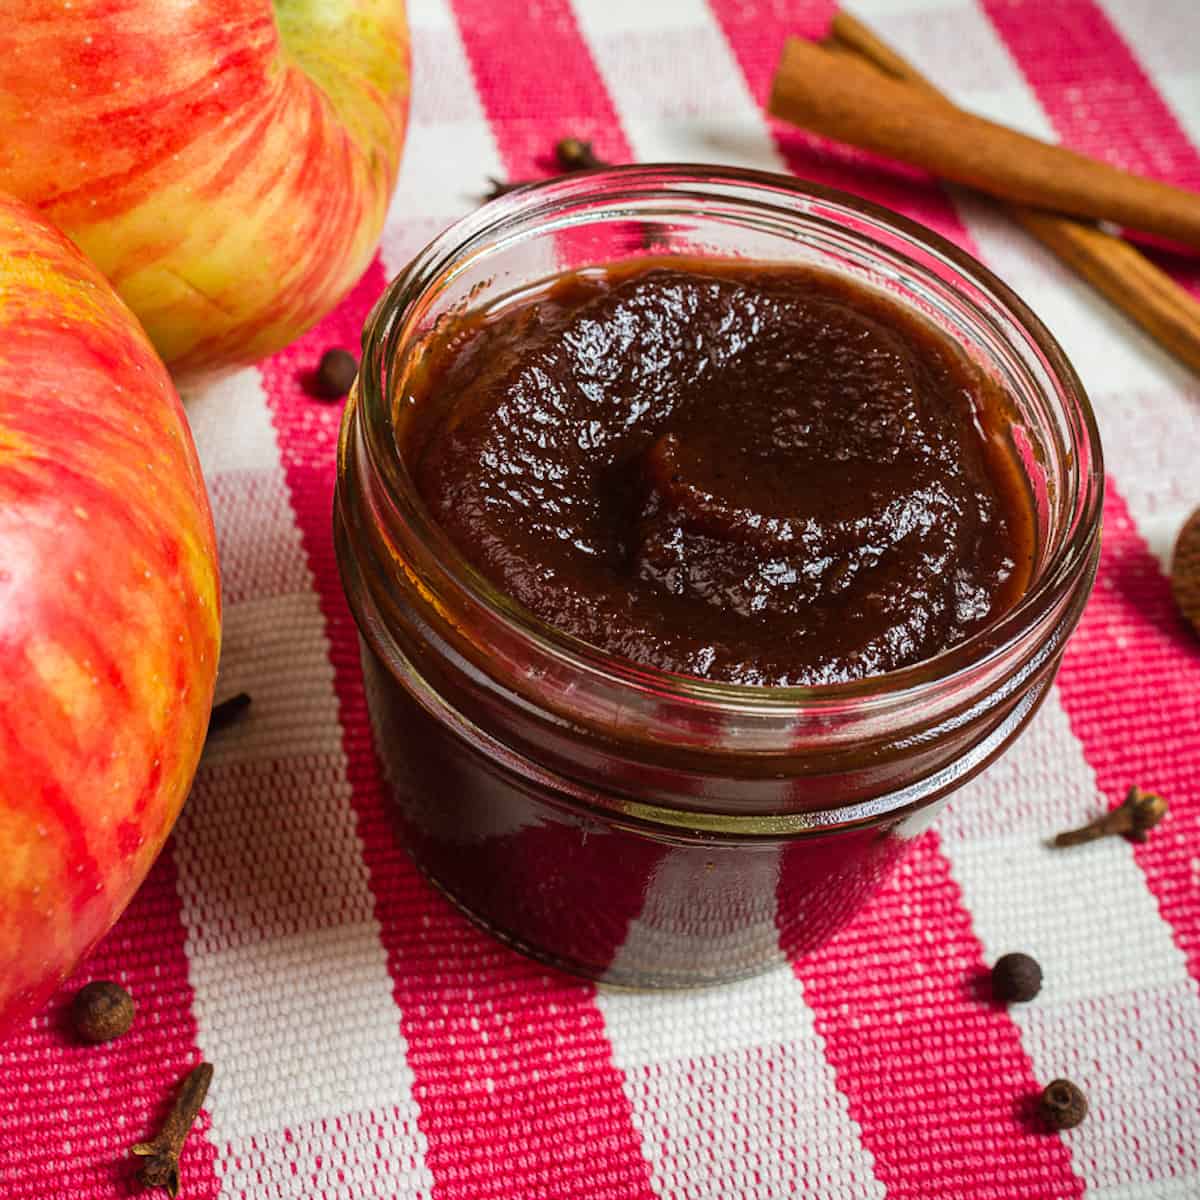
652,829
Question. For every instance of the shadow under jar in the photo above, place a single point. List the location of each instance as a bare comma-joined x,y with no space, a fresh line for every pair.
632,825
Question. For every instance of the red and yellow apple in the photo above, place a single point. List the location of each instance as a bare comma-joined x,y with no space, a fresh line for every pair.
109,607
226,163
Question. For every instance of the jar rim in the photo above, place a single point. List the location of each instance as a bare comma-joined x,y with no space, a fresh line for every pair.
439,261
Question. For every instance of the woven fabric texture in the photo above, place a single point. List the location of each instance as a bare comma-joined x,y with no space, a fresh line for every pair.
369,1042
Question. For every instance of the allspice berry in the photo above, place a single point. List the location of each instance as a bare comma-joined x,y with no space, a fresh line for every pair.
1185,570
1016,978
335,374
1063,1105
101,1011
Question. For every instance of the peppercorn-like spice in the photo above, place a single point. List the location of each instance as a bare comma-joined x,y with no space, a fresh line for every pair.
101,1011
1139,812
1016,978
1062,1104
161,1168
335,374
1185,570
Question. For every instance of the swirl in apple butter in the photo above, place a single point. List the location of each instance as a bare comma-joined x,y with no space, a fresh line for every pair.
754,474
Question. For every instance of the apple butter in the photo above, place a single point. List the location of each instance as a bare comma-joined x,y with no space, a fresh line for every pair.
754,474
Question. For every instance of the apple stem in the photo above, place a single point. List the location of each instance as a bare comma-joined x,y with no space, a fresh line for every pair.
228,711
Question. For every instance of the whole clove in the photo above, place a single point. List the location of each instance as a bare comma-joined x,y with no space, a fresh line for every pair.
1139,812
571,154
161,1168
574,154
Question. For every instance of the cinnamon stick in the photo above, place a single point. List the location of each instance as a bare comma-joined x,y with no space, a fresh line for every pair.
1127,278
848,32
851,101
1116,269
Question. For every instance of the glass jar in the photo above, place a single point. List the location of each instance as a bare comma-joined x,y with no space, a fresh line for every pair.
631,825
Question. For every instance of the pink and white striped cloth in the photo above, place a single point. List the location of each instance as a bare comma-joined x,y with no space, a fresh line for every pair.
368,1042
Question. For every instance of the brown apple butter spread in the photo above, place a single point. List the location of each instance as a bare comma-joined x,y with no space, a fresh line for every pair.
751,473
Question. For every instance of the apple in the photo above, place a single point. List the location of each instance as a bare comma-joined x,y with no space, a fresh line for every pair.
226,163
109,607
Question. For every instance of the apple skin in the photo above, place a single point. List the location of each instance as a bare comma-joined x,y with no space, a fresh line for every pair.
109,608
226,163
